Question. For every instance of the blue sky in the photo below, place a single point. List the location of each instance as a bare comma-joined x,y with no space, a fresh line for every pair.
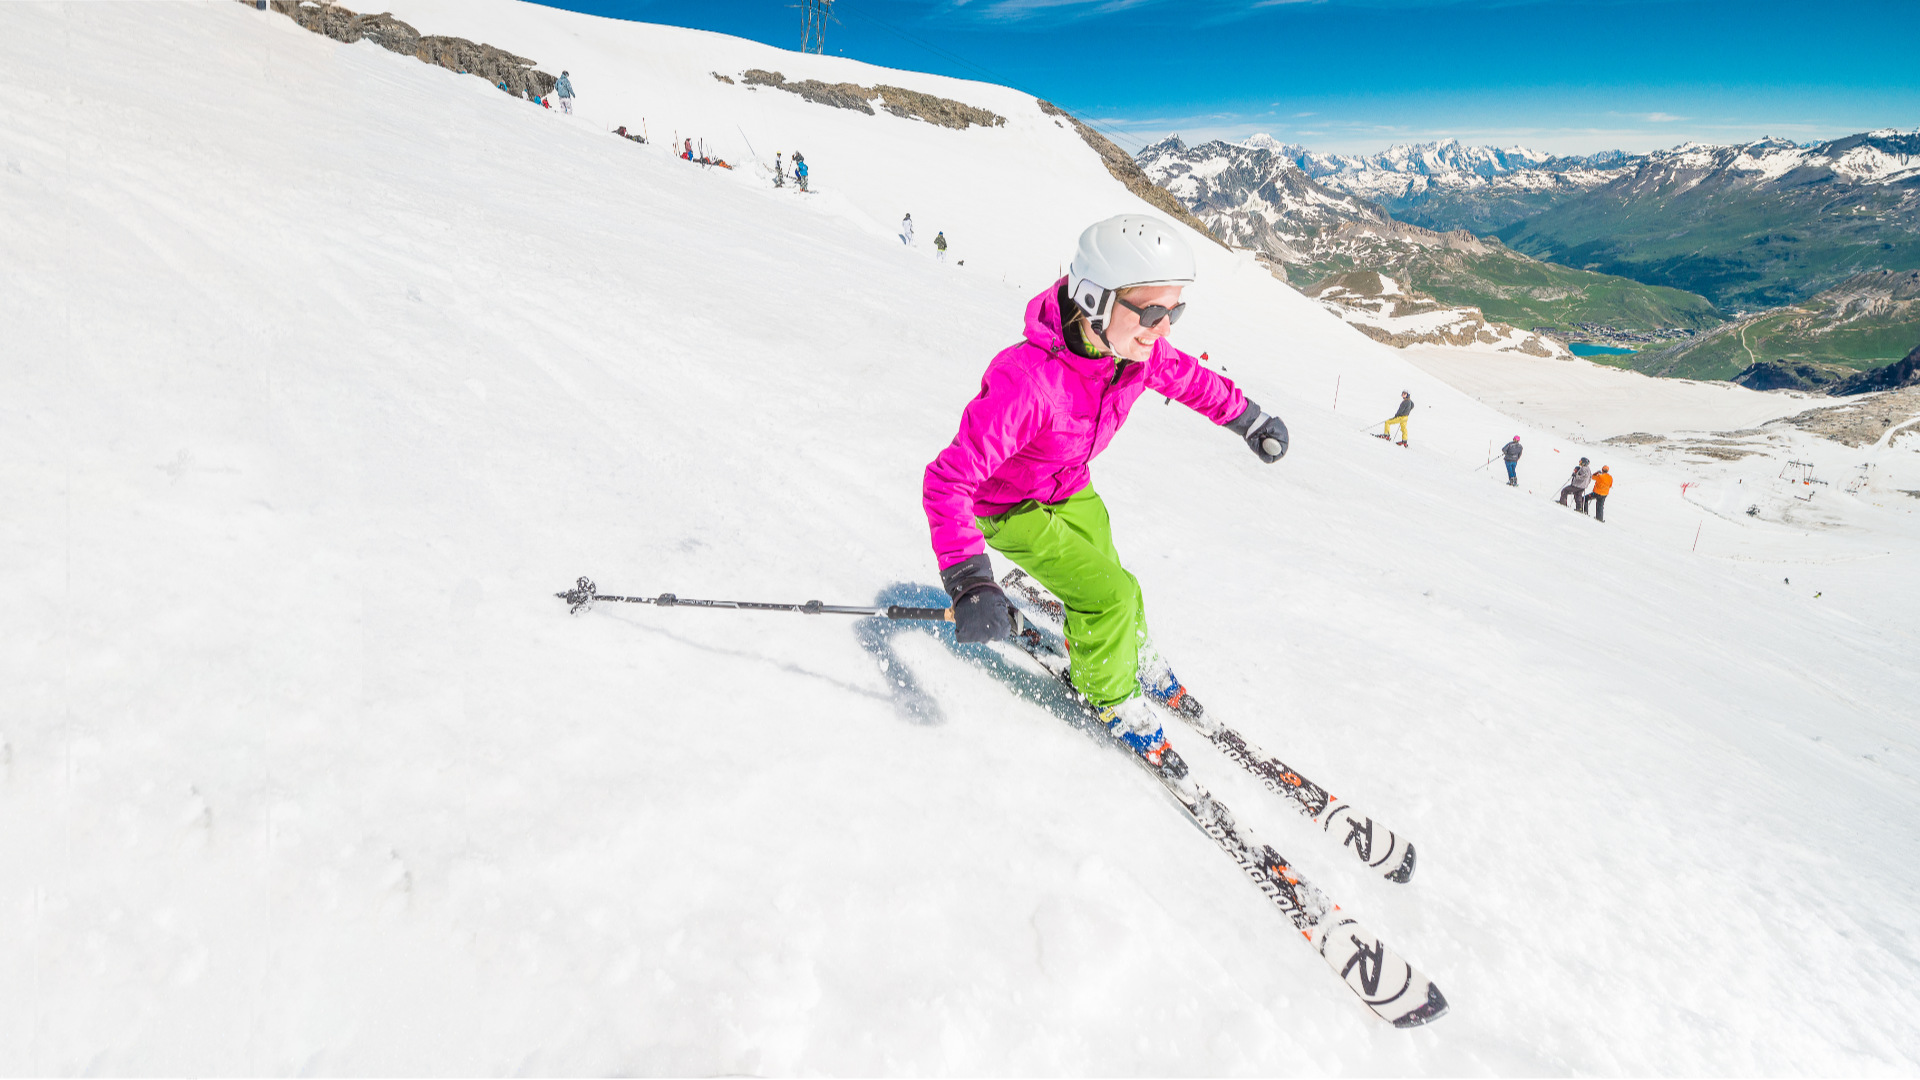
1573,76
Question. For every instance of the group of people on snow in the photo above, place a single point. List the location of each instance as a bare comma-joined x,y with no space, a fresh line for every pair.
1583,475
939,238
562,89
780,170
1601,481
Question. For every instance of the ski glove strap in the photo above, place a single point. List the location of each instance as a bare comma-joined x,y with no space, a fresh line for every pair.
1265,434
979,607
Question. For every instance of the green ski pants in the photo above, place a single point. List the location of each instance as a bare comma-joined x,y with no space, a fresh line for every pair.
1068,547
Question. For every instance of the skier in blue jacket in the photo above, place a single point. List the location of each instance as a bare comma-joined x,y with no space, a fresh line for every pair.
565,89
800,169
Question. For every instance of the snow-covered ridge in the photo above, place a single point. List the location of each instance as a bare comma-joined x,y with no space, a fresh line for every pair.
1407,171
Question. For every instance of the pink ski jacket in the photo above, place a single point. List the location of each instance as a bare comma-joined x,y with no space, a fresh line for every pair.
1042,413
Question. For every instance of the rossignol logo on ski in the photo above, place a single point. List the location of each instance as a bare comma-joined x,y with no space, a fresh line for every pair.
1360,837
1367,958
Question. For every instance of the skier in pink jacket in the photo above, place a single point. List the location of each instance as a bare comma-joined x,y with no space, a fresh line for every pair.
1015,477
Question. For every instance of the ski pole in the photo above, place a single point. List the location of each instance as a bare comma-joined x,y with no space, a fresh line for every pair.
585,593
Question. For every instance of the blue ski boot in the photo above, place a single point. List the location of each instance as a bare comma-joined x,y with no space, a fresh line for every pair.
1132,722
1160,683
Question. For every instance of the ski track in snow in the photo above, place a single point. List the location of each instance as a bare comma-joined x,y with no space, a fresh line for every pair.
327,368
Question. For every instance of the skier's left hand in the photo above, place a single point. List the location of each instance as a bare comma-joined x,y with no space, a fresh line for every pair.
1266,435
980,609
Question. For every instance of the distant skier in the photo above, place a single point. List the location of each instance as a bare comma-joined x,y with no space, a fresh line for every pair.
687,154
564,87
1577,486
1015,477
779,169
1406,408
906,230
1602,485
800,170
940,246
1511,452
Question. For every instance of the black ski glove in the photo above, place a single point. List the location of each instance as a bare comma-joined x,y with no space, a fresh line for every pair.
979,607
1266,435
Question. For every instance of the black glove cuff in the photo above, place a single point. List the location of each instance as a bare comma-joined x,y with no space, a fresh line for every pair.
967,574
1242,424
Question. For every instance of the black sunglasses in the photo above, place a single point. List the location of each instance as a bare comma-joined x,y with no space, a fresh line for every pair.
1151,315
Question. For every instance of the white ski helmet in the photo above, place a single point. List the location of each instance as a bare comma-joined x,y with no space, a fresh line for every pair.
1120,252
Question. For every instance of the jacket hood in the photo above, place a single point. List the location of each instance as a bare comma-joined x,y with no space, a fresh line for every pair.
1045,326
1046,329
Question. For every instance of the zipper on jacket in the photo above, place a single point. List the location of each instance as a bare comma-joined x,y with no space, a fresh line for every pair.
1100,411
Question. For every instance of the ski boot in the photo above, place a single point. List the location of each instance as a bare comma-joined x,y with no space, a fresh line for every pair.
1402,442
1132,722
1164,687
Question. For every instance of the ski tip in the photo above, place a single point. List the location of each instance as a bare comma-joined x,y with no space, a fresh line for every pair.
1434,1009
1400,875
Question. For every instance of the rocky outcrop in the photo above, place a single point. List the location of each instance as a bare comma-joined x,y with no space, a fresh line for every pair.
1900,373
909,104
1121,166
945,112
1792,375
497,66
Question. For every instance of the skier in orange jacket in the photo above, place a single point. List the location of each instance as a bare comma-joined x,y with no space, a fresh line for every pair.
1602,484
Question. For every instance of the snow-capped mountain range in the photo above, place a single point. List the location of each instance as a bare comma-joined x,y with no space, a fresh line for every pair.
1752,226
1408,171
1255,195
1448,184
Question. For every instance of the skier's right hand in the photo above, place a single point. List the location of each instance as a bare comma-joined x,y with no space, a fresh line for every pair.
979,607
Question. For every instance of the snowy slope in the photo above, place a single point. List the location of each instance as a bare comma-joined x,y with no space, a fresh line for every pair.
326,368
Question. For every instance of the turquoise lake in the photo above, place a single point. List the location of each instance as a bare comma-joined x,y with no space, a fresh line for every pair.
1582,348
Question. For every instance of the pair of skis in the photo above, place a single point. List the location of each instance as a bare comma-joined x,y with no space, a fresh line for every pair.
1392,988
1386,983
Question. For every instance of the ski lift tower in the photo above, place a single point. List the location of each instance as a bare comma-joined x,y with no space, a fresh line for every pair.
813,28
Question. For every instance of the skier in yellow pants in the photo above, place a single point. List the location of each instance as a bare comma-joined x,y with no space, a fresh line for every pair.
1406,406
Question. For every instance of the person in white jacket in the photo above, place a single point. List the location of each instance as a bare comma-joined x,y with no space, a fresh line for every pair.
906,230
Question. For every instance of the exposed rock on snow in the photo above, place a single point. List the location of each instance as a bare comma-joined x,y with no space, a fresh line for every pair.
1379,307
1863,422
911,104
495,65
